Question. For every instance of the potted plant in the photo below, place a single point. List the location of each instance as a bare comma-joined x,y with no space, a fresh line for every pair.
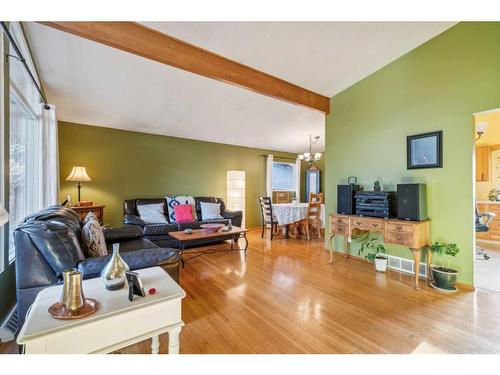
444,276
379,258
375,252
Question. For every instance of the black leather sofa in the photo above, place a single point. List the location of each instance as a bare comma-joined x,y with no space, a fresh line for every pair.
49,241
159,233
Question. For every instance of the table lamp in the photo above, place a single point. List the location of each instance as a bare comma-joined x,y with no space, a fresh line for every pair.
78,174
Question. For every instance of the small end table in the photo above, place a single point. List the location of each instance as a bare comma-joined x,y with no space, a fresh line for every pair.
82,211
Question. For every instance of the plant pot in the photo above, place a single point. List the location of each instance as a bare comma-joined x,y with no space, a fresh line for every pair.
381,264
444,278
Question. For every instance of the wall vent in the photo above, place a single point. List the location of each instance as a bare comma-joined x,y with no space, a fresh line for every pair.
406,265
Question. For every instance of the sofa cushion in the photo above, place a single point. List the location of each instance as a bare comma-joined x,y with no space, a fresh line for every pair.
159,229
198,201
133,244
141,201
152,213
173,200
136,260
210,211
183,213
93,239
58,243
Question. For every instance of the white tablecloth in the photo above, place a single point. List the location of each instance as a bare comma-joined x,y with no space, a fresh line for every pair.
288,213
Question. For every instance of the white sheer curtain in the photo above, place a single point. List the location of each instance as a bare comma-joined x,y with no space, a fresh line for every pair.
269,176
298,165
49,159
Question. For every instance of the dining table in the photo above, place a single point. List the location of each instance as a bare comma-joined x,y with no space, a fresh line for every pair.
288,214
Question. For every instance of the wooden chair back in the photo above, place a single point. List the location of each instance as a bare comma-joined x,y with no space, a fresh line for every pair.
266,209
314,206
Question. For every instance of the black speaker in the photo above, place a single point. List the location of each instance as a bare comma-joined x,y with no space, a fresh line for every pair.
346,204
412,202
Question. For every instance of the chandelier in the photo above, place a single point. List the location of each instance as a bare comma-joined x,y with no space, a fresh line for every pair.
309,157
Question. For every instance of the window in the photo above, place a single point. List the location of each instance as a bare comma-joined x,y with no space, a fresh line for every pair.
25,140
283,176
24,143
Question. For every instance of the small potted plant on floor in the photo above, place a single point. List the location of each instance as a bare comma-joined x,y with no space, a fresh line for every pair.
444,276
375,252
379,258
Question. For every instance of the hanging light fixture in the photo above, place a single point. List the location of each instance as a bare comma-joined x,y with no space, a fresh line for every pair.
480,129
310,157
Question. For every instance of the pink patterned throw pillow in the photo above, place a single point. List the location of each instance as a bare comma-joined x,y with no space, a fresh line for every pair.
183,213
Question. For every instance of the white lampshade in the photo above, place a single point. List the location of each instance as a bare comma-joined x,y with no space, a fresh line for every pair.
481,127
317,156
236,192
4,216
78,174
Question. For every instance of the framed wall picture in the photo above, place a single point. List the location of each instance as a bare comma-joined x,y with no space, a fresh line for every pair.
424,150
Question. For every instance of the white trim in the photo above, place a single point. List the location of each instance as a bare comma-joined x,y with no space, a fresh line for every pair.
2,144
486,112
18,35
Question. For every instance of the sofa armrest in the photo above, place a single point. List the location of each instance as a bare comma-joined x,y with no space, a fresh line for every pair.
136,260
134,220
127,232
235,216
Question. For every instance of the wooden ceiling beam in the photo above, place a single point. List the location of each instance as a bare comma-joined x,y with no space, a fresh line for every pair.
151,44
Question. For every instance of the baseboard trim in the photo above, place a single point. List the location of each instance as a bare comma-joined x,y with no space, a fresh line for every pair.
461,286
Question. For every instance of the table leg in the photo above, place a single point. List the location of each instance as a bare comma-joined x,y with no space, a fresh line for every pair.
416,256
155,345
246,242
286,229
429,260
181,252
173,341
346,246
332,235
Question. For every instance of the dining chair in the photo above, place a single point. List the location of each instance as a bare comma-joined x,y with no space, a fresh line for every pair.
313,214
266,209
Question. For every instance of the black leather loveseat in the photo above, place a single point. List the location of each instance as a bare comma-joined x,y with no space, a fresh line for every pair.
47,242
159,233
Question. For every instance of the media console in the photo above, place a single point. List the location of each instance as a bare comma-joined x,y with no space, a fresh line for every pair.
415,235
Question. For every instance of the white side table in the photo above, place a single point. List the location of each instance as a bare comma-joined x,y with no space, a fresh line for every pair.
118,322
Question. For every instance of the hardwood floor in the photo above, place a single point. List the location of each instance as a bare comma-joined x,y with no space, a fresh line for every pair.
286,298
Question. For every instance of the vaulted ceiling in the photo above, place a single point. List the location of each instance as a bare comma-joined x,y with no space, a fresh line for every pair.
98,85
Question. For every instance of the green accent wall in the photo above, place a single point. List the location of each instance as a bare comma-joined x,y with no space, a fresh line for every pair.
437,86
125,165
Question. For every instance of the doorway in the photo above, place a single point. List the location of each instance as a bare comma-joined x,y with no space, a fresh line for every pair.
487,199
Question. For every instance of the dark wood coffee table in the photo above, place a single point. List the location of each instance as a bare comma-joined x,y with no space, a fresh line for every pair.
191,239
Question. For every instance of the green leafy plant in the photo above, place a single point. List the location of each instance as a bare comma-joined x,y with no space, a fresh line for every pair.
371,246
492,195
446,251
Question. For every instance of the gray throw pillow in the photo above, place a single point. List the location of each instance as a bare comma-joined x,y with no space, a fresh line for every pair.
93,239
210,211
152,213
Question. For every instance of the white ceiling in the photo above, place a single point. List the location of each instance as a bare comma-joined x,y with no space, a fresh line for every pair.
99,85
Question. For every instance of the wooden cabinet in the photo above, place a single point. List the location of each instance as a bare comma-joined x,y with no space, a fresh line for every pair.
483,163
282,197
413,234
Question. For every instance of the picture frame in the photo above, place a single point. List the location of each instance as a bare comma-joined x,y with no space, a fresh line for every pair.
135,285
424,150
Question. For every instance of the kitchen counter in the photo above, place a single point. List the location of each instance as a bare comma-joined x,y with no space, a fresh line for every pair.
489,202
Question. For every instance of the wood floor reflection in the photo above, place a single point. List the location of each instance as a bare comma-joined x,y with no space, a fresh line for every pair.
286,298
